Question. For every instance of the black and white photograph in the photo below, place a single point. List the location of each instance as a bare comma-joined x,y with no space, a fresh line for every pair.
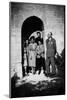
37,49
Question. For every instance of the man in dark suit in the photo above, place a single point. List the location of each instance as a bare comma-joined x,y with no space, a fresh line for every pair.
50,54
39,37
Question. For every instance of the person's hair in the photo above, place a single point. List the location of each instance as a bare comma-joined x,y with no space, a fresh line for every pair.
38,33
39,40
51,33
32,37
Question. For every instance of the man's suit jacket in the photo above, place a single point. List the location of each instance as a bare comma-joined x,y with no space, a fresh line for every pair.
51,47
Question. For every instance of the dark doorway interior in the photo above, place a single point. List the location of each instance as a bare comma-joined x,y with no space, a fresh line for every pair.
30,25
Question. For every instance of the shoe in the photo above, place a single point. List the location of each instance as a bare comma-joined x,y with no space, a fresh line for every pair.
52,75
47,74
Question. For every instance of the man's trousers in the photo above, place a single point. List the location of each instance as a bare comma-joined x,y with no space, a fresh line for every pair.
50,60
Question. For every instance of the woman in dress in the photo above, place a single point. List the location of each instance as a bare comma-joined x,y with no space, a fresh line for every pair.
32,54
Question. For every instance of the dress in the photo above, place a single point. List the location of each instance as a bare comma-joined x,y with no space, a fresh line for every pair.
32,54
25,57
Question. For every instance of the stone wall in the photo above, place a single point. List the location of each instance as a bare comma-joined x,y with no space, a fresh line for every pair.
52,17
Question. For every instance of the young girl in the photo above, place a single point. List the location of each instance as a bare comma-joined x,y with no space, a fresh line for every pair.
40,59
25,57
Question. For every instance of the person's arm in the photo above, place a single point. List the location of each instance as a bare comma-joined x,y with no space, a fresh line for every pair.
46,43
55,46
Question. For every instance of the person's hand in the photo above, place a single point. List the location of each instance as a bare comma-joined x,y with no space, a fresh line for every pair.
56,55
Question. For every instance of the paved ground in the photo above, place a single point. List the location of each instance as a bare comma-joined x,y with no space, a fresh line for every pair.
37,85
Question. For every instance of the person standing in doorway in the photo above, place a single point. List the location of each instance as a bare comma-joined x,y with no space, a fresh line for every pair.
39,37
32,54
25,65
43,57
40,58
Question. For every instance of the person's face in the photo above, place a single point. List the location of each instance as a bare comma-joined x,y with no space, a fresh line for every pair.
26,41
38,34
32,40
39,42
49,35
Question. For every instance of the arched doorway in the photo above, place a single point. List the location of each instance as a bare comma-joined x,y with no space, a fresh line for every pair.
30,25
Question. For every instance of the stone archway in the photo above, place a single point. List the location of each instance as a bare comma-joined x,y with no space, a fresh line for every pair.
30,25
